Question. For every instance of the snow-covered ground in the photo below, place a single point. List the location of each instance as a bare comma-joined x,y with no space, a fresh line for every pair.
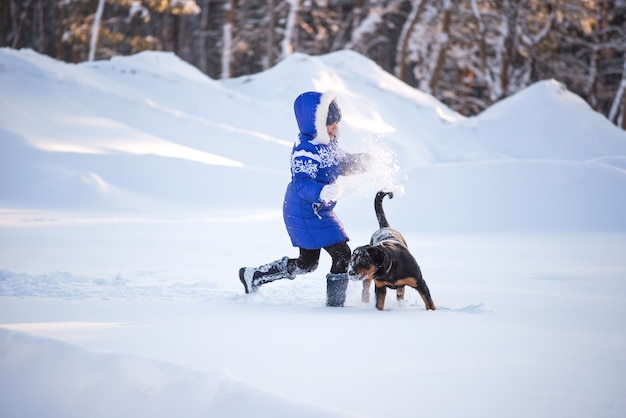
132,190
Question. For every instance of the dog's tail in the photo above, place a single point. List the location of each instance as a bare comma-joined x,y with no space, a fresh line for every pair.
378,207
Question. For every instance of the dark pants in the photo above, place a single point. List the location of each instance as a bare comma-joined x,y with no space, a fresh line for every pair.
309,259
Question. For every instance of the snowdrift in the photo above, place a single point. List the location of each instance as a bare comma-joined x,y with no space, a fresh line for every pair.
42,377
150,133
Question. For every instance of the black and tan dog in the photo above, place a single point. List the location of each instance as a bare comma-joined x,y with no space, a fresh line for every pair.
388,262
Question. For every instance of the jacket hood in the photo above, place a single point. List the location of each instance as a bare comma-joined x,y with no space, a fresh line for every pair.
311,109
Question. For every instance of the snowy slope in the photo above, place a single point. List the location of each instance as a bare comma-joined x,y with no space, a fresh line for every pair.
85,128
81,383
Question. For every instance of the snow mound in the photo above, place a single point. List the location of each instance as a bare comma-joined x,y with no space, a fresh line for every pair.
547,121
165,65
42,377
151,133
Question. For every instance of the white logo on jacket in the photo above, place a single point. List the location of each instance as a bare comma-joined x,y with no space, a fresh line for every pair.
303,161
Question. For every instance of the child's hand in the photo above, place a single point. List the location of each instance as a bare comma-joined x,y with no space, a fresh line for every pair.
330,193
366,161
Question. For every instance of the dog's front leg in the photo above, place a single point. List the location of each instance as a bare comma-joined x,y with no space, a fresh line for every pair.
400,293
365,294
381,292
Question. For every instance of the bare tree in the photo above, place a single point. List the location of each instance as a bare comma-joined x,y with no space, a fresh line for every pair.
364,28
619,103
269,59
467,53
417,8
95,30
441,46
203,37
427,46
592,46
287,46
227,38
19,19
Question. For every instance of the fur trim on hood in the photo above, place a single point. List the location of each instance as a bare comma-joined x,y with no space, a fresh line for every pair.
311,109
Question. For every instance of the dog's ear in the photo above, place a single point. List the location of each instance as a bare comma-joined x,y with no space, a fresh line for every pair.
377,256
357,255
357,252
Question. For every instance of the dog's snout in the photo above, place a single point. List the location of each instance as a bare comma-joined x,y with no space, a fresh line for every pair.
354,274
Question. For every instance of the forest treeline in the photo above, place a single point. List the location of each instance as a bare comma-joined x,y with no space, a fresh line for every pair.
467,53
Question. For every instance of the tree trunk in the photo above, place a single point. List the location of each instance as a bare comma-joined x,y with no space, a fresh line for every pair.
39,27
619,101
19,23
95,30
203,60
623,124
271,30
401,57
58,31
482,42
227,38
507,53
441,56
287,47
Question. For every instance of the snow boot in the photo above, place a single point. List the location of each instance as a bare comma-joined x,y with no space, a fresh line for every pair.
253,277
336,286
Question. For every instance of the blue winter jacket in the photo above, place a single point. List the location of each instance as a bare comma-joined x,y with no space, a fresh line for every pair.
316,161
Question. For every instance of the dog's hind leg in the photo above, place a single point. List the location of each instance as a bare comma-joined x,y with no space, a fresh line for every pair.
422,289
400,293
418,284
428,302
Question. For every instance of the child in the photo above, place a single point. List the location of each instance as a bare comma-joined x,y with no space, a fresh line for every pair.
316,162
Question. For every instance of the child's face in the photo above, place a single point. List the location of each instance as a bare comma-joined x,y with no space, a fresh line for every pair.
332,130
